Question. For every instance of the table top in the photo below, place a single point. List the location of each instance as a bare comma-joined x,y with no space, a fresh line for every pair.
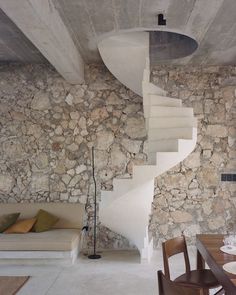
208,246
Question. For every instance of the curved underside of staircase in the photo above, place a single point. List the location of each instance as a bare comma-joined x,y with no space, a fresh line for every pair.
172,135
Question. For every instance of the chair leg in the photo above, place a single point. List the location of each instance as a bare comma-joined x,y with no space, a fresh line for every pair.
220,292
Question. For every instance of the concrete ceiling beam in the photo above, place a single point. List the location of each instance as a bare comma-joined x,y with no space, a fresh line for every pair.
41,23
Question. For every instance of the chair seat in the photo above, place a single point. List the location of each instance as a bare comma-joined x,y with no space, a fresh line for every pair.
198,278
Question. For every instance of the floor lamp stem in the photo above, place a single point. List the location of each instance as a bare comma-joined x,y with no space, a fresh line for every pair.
94,255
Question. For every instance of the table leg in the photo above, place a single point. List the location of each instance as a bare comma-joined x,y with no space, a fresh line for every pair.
200,261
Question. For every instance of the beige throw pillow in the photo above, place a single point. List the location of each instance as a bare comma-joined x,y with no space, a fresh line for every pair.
21,226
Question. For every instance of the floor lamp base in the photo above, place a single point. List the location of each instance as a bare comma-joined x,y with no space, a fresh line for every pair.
94,256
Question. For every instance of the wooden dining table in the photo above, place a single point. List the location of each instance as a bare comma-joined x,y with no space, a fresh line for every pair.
208,250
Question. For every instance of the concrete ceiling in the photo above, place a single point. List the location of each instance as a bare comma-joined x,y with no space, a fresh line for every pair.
210,22
14,46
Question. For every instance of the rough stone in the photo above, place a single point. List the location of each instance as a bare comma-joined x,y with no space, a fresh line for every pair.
81,168
69,99
39,183
131,146
56,146
17,116
82,123
118,158
132,109
41,161
83,199
181,216
66,178
72,124
175,181
206,154
74,115
73,147
101,159
231,141
216,223
59,130
60,168
71,172
13,149
193,160
70,163
104,139
217,159
74,181
217,131
114,99
34,130
208,177
58,186
163,229
99,114
163,216
135,127
6,183
207,207
106,174
64,196
192,230
41,101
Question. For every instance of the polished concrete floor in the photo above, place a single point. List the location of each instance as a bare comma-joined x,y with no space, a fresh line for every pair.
116,273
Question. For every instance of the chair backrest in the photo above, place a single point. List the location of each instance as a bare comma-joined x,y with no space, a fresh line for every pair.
168,287
173,247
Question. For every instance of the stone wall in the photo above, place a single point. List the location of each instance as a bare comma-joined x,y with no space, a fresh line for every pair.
190,197
47,130
48,127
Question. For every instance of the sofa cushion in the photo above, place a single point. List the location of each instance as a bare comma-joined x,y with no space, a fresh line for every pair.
71,215
7,220
53,240
21,226
45,221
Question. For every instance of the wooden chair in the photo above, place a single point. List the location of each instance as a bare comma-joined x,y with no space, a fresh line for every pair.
201,279
168,287
220,292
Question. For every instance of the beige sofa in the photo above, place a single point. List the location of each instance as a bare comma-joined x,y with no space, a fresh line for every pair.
61,242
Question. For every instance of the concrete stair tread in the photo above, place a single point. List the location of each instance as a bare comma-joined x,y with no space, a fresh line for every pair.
170,133
171,122
166,111
160,100
168,145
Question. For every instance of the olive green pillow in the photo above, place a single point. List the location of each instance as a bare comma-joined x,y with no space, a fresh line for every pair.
44,221
7,220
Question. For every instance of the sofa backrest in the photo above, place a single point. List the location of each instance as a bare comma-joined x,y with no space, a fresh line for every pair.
70,215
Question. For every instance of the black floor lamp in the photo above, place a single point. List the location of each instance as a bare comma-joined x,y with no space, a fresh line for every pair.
94,255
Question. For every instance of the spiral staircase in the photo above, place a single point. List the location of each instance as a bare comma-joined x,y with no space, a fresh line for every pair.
172,134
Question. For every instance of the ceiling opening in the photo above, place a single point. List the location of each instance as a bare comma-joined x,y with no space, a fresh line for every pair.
168,46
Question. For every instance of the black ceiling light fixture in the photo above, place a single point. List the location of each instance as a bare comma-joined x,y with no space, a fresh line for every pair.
161,19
